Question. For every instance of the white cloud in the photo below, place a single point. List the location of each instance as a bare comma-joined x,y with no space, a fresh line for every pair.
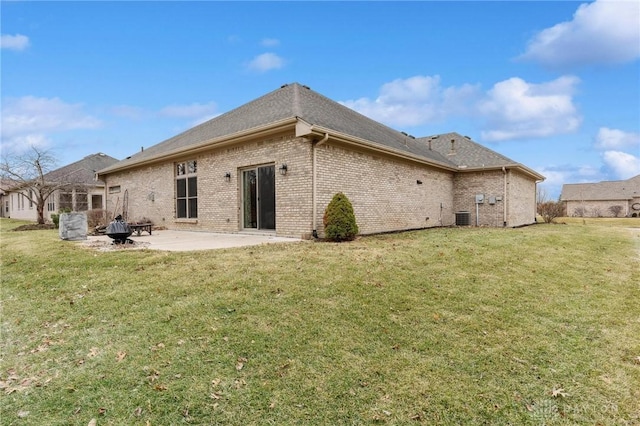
270,42
623,165
14,42
31,120
602,32
266,62
517,109
616,139
31,114
414,101
553,177
512,109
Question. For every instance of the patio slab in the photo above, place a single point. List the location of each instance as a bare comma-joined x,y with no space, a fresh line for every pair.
186,241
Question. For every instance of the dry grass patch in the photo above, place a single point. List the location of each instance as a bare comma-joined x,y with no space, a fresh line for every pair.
536,325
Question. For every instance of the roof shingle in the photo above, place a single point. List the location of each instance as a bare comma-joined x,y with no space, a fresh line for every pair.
82,171
297,101
602,191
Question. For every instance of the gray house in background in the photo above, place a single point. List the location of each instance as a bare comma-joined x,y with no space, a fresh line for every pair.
618,198
79,190
273,164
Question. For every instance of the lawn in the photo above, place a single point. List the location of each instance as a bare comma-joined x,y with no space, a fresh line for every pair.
529,326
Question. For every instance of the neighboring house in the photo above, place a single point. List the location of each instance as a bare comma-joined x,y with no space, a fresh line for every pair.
4,200
618,198
80,191
273,164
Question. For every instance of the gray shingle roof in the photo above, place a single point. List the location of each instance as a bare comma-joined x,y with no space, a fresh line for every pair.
464,152
601,191
82,171
295,100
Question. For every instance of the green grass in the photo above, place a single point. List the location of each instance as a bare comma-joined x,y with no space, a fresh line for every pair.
445,326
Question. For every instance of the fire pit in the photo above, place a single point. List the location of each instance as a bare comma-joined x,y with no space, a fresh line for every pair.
119,231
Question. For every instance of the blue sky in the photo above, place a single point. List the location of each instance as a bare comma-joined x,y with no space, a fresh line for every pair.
553,85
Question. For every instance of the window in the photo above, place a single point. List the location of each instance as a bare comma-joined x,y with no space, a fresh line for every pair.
66,201
114,189
30,198
51,204
82,201
186,190
96,202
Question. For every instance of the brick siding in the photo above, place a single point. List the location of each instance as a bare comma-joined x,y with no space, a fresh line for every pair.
514,206
592,208
384,190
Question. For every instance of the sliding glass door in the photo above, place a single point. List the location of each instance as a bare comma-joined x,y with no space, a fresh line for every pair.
259,198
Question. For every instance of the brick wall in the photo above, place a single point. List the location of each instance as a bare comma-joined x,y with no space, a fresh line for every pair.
598,208
513,206
151,189
384,191
491,185
521,191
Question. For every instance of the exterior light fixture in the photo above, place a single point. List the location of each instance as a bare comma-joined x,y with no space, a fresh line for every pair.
227,177
283,169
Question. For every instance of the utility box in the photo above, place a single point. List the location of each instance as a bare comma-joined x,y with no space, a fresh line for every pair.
463,218
492,200
479,198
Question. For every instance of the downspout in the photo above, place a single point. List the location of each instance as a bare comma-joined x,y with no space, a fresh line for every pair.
314,193
504,198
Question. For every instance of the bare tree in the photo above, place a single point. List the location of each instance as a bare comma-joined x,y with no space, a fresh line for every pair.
549,210
27,173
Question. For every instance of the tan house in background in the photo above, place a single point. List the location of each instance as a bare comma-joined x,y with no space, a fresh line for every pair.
80,191
618,198
273,164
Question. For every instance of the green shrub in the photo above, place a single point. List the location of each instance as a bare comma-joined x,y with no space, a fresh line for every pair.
339,219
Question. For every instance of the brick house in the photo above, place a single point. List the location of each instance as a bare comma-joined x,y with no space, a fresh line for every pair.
273,165
618,198
78,190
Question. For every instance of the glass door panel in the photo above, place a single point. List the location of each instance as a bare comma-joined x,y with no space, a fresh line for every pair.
259,198
249,199
267,197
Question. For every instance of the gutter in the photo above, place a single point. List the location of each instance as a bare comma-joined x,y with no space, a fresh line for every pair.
314,195
504,198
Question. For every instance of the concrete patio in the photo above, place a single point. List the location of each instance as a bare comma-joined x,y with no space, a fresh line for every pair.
186,241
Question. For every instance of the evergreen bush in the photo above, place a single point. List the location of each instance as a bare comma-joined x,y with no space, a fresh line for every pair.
339,219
